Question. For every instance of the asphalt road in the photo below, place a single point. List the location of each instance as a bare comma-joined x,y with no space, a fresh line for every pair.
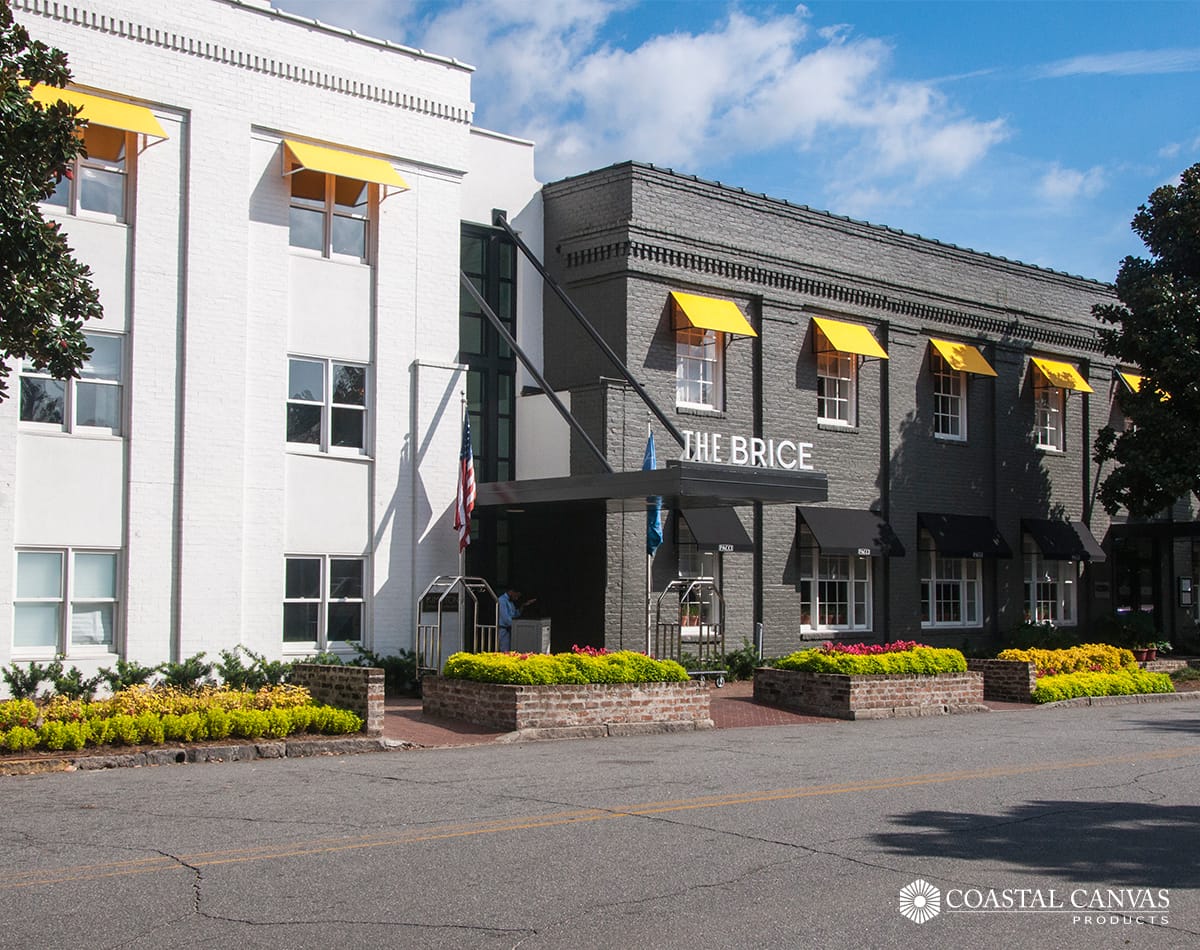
787,836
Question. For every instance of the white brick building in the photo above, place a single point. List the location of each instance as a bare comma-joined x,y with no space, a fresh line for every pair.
272,412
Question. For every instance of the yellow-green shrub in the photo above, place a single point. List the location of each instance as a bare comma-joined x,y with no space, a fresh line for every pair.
1122,682
20,739
1087,657
18,712
923,660
623,666
56,735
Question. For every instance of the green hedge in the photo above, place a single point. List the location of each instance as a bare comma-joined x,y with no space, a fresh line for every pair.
926,660
1124,682
624,666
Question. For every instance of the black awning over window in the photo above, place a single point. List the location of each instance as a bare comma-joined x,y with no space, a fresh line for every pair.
1063,540
964,535
850,531
717,529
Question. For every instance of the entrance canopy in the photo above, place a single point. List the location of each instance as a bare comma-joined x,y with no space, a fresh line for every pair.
851,531
682,484
717,529
964,535
1063,540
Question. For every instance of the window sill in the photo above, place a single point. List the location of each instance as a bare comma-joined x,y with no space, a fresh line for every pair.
57,432
312,255
60,213
826,426
703,411
833,634
949,439
951,627
296,448
1050,450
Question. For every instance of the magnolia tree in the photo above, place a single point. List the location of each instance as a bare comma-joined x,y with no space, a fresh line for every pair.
1155,331
45,294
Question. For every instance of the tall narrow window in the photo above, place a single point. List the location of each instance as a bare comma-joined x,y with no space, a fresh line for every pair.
327,405
1049,402
1050,587
698,368
323,601
66,602
91,403
837,384
949,402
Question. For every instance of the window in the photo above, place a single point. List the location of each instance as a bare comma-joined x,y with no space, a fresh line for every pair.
329,214
1049,588
66,602
1048,403
90,403
323,601
95,184
835,589
949,400
698,368
327,405
837,383
951,590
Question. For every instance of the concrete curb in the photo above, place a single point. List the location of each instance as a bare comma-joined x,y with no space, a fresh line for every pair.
605,730
222,752
1190,696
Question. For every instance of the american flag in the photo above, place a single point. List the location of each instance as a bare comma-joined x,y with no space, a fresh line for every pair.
465,503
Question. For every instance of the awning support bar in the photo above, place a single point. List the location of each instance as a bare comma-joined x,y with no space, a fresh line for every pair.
500,220
507,337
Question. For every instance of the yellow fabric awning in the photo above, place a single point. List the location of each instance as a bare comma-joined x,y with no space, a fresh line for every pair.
963,357
1063,375
333,161
710,313
101,111
850,338
1132,380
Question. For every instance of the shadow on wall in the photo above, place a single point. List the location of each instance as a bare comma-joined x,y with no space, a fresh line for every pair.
1128,844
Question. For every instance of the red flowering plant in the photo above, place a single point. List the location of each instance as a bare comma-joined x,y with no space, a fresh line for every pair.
588,651
870,649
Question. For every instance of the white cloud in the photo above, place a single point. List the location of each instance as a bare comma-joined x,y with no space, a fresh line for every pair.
1061,185
1130,63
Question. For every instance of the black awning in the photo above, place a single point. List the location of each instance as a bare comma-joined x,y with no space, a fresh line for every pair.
964,535
1063,540
850,531
717,529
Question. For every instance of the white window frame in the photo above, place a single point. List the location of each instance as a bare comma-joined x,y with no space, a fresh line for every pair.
699,364
68,602
329,408
323,600
823,574
837,388
332,212
71,401
949,400
1051,588
72,188
1049,409
949,584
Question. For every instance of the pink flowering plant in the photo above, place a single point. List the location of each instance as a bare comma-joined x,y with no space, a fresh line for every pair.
900,656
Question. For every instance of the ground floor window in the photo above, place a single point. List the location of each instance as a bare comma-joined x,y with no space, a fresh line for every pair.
835,589
951,590
66,601
323,603
1050,588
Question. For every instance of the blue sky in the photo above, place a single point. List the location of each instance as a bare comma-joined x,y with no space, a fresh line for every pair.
1027,130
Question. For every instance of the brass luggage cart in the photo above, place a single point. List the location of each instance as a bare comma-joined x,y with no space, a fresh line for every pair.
689,627
455,613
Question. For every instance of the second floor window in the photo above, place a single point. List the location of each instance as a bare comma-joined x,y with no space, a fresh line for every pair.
837,384
949,401
327,405
1049,401
329,214
96,183
91,403
698,368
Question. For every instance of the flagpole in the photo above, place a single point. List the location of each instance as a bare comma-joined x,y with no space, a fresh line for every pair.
649,567
462,551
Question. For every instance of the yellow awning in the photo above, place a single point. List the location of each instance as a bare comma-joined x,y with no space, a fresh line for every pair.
1132,380
850,338
333,161
963,357
1063,375
101,111
709,313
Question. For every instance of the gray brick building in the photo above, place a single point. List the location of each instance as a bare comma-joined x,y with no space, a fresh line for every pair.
950,398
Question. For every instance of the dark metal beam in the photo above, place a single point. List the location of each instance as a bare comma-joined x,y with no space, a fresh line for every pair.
500,220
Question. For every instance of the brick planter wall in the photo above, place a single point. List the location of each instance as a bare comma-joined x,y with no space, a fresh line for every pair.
1006,681
879,696
357,688
597,708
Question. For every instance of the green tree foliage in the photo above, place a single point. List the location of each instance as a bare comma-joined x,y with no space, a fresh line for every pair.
45,294
1156,328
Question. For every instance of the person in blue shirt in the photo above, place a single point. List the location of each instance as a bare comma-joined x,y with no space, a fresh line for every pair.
509,610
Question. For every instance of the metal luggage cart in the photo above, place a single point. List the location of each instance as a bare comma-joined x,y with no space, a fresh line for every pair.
473,607
689,622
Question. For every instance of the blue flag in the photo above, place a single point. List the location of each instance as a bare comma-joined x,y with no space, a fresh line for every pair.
654,534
